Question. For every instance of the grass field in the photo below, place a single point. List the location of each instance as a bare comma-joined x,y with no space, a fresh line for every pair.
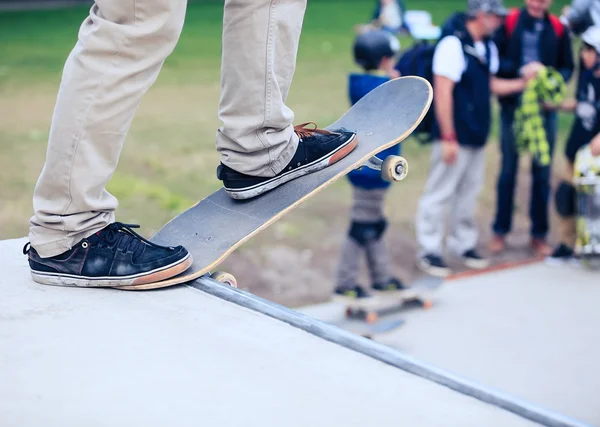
169,159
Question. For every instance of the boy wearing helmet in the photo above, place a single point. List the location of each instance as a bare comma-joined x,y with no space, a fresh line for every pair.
374,52
585,130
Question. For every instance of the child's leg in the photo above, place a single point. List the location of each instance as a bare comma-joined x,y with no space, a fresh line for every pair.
378,260
366,219
347,271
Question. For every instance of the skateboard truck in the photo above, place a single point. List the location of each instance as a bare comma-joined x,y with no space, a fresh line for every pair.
393,168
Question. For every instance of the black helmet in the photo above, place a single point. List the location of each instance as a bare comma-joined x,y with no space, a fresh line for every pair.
370,47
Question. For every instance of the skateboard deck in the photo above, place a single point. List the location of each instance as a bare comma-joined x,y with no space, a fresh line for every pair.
215,226
382,303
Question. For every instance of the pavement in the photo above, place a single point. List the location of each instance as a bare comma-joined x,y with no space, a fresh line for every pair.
530,331
181,356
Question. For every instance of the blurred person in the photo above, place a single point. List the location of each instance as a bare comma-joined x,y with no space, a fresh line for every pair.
581,14
585,130
389,15
374,52
530,38
464,64
121,47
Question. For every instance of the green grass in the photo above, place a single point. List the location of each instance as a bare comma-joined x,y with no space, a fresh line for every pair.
169,157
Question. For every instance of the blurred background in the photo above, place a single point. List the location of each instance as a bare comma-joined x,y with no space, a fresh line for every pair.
169,159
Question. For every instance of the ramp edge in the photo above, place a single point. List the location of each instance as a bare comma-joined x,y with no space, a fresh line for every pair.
385,354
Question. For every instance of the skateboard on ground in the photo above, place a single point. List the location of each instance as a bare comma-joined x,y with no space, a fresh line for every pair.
215,226
381,303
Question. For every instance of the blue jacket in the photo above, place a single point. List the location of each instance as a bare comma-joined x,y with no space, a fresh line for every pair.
358,86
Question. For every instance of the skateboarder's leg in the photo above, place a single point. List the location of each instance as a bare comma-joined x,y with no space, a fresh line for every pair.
257,142
260,44
120,49
463,236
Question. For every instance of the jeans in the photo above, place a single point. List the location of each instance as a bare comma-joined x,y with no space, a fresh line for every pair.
540,184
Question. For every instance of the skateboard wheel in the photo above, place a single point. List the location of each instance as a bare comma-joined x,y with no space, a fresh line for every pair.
427,304
223,277
394,168
371,318
349,312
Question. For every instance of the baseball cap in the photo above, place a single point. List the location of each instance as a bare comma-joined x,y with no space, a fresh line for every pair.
490,6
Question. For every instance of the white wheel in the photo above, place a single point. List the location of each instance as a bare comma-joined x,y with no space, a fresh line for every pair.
394,168
223,277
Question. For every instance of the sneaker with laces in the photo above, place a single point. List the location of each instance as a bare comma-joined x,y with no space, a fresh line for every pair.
317,149
114,256
434,265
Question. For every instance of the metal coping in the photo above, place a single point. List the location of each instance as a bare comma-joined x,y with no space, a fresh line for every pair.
384,354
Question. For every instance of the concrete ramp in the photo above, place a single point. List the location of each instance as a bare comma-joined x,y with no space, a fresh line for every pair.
532,331
182,357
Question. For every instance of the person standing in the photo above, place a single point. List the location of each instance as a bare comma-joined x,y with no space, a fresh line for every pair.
374,52
585,131
464,63
529,39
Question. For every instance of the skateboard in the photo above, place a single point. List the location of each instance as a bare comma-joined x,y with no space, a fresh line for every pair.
381,303
587,185
215,226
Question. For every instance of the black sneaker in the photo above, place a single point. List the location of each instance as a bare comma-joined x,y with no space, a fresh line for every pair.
317,149
114,256
473,260
352,292
390,286
434,265
561,255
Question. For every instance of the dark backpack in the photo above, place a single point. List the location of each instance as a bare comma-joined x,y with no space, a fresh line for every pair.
418,61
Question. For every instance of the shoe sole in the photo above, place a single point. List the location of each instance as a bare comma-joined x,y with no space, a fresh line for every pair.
434,271
476,263
258,189
157,275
